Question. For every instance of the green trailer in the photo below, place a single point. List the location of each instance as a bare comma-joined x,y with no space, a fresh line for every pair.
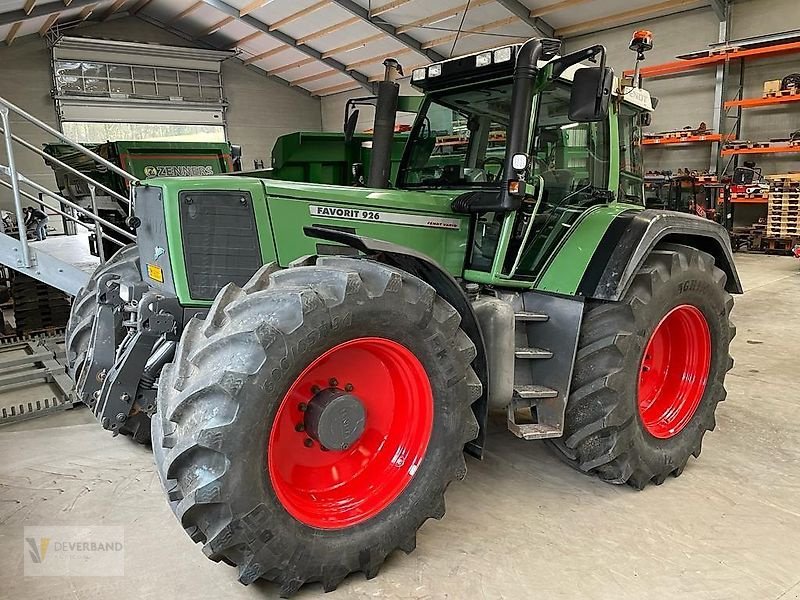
313,361
325,157
144,160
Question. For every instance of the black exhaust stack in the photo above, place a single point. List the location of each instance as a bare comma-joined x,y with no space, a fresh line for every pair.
383,130
519,128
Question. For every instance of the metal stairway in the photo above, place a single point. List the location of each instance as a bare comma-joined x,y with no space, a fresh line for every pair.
541,387
41,260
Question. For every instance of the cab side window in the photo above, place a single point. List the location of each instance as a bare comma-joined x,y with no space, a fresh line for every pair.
631,177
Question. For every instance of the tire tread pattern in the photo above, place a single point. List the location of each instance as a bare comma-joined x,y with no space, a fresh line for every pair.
198,405
599,433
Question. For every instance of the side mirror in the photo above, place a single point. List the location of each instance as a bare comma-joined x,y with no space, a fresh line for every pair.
591,93
350,126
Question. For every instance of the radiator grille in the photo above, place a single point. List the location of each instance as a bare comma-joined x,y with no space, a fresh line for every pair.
220,241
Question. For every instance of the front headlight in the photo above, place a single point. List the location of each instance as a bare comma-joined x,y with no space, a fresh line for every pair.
483,59
502,55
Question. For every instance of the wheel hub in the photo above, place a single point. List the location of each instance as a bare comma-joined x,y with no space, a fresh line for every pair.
674,371
351,433
335,418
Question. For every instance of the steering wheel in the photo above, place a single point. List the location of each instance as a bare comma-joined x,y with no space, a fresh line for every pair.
494,160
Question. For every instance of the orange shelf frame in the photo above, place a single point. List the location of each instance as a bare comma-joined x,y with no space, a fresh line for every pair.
749,200
770,150
756,102
721,56
691,139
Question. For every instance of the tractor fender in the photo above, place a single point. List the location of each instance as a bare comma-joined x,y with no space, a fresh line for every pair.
624,249
446,286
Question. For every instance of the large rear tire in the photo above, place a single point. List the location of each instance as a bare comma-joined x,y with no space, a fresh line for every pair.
245,472
125,265
650,371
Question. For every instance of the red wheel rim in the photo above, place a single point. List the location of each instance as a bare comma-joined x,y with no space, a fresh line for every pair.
674,371
332,489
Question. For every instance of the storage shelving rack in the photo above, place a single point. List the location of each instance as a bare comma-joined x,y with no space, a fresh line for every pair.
729,57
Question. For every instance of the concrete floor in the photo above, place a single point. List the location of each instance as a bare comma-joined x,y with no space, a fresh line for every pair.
522,525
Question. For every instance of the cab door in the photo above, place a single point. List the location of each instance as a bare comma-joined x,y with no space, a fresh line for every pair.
570,172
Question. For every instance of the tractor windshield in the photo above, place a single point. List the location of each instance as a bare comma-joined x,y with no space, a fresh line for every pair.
461,142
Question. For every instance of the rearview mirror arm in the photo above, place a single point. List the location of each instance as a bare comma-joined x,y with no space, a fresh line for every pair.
565,62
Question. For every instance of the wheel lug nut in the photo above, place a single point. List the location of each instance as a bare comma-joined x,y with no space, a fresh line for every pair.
302,407
299,427
315,389
348,387
332,382
308,443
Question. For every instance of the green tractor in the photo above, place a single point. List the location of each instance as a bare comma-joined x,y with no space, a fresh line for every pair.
317,359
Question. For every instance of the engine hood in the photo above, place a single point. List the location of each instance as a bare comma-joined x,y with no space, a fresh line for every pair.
430,201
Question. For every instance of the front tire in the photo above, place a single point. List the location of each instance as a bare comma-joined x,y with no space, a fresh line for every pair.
244,473
650,371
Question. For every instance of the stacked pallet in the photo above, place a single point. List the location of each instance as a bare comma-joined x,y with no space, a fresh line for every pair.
783,214
37,306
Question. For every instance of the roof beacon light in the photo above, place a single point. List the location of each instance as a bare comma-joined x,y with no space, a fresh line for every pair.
483,59
641,42
502,55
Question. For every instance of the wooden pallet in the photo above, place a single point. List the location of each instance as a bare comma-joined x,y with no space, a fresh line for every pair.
793,177
783,233
780,244
782,93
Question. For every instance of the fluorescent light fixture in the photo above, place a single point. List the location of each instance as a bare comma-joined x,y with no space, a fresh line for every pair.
418,74
570,126
502,55
434,70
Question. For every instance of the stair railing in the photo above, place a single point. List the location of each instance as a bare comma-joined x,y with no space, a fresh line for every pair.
17,179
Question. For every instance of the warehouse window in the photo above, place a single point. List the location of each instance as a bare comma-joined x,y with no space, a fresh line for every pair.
111,79
86,133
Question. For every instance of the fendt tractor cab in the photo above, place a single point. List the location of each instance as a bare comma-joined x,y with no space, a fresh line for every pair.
316,359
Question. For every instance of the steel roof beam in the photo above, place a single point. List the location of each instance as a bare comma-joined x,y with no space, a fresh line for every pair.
524,14
258,25
389,29
190,38
720,8
42,10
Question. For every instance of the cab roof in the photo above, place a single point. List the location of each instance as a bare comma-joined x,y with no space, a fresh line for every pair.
462,67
